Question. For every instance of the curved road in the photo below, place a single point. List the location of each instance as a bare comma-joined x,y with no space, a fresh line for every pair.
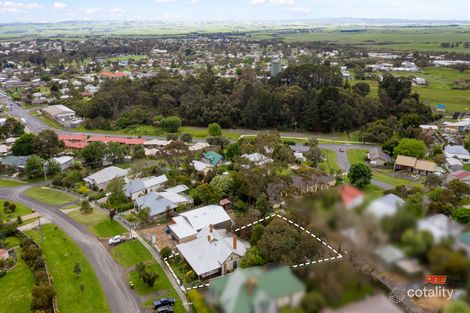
120,297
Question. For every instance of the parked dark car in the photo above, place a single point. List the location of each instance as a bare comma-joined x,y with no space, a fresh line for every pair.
164,302
165,309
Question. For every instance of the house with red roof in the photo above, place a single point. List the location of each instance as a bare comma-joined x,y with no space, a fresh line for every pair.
351,196
4,255
72,137
111,75
461,175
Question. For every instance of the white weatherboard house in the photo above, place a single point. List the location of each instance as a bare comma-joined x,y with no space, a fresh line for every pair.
135,188
101,179
385,206
186,225
213,252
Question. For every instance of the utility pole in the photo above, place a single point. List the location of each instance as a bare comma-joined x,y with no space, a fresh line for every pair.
44,169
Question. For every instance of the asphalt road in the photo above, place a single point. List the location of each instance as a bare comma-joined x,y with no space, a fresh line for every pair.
120,297
33,124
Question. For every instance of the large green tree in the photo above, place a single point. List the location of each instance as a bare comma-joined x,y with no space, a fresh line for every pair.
410,147
360,175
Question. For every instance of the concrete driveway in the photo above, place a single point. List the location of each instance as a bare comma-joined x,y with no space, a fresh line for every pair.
120,297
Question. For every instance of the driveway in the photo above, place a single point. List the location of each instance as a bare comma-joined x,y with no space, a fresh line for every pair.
120,297
342,157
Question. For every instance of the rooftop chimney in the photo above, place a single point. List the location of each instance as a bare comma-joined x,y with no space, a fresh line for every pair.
250,285
211,228
209,238
234,242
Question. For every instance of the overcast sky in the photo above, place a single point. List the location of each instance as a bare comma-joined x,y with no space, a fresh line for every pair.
216,10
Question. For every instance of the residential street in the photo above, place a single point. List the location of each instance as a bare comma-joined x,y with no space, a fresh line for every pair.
120,297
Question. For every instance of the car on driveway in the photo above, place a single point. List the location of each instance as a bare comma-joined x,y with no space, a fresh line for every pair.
163,302
165,309
341,149
115,240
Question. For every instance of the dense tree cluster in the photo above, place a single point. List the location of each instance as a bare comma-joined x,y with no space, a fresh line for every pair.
310,96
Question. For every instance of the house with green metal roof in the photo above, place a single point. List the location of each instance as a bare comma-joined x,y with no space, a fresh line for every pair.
212,157
256,290
463,243
17,162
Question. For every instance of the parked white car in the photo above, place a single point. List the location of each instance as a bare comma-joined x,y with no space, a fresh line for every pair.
115,240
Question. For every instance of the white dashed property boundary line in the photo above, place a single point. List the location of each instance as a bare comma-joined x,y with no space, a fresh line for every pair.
337,257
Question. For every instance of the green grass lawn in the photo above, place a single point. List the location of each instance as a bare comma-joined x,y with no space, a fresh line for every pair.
20,210
386,177
150,130
107,229
162,286
61,255
373,192
11,242
10,183
96,217
49,122
330,163
15,288
49,196
130,253
356,156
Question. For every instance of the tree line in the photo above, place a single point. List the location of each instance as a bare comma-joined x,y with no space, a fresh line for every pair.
311,97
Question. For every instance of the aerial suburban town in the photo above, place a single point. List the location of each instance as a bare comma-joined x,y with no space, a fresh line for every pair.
258,156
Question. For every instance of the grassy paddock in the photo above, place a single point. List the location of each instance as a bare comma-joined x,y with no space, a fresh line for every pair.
107,229
16,287
10,183
162,287
21,210
356,156
61,255
330,163
91,219
130,253
49,196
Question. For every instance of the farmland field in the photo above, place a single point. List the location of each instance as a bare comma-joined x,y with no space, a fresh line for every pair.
438,89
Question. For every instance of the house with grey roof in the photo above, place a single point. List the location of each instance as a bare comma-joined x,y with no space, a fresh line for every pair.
457,152
377,157
163,202
138,187
157,205
256,290
16,162
101,179
385,206
257,159
441,227
213,252
186,225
